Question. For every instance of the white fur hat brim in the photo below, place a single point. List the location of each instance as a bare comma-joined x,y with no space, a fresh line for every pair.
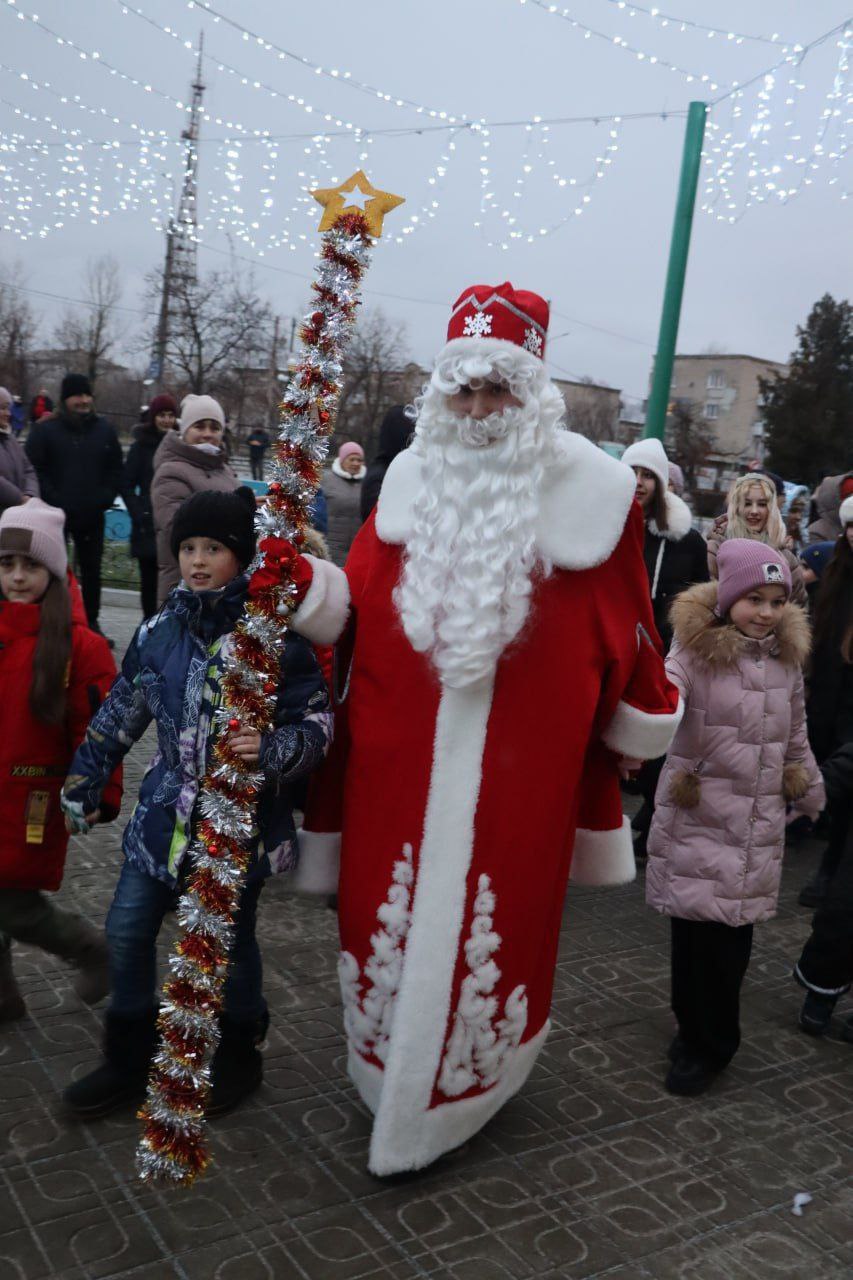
495,353
845,511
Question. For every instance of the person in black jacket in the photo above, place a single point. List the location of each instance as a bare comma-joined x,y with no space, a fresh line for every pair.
676,557
825,967
159,418
394,436
829,703
78,461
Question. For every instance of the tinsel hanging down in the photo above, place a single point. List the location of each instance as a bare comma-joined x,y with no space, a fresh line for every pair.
173,1148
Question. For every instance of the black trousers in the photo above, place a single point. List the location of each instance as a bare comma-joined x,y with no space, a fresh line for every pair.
709,962
826,964
257,466
148,585
88,542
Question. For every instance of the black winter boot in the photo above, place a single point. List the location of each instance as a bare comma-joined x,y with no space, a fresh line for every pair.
12,1005
129,1045
816,1013
689,1076
238,1066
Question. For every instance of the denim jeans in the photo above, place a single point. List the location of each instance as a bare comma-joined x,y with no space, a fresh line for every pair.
133,923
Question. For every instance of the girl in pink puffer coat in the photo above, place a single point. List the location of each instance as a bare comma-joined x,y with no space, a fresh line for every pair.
740,753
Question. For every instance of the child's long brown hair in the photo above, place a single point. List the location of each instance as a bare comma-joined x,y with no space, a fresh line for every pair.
52,655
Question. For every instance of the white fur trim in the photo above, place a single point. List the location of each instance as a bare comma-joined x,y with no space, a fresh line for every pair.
474,346
448,1125
319,863
401,1135
345,475
845,512
604,857
679,519
641,735
323,613
585,499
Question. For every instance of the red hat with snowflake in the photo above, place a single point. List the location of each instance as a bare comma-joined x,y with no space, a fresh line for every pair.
500,314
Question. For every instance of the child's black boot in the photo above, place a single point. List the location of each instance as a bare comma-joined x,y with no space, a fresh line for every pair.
238,1066
129,1045
690,1075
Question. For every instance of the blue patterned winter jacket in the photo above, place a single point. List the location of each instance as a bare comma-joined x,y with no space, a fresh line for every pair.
172,674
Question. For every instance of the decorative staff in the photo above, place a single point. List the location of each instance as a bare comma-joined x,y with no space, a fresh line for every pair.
173,1147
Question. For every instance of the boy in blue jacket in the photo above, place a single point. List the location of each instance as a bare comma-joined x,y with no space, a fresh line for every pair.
172,674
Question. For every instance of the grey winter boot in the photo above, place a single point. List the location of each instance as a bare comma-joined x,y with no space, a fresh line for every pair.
12,1005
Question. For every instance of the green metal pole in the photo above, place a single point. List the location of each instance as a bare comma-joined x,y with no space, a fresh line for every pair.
676,271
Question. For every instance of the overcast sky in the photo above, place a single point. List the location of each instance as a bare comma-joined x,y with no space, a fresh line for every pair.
748,284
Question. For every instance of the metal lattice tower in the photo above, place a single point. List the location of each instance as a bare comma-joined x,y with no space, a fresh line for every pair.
181,269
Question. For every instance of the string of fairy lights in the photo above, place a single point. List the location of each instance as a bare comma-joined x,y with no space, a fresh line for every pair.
766,141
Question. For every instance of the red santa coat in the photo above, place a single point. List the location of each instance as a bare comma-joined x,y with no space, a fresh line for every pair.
460,806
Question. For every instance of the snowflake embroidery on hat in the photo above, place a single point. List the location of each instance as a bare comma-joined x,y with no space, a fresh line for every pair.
478,326
532,341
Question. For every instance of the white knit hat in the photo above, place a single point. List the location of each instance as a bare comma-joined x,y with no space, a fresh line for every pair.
845,512
36,530
650,454
196,409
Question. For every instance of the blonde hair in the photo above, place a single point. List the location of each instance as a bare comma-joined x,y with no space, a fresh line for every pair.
775,534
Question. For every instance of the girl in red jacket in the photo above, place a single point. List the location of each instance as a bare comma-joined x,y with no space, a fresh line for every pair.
53,673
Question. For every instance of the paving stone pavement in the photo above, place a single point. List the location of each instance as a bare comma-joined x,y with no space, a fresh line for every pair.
592,1171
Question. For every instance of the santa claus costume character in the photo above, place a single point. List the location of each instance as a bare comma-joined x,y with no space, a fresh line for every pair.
500,645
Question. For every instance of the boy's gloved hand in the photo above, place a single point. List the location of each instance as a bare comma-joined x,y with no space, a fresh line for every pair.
77,823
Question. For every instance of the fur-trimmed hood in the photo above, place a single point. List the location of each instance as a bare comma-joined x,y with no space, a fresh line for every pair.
679,520
720,644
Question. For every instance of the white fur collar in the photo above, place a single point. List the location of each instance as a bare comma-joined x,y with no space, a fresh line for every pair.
586,497
345,475
679,519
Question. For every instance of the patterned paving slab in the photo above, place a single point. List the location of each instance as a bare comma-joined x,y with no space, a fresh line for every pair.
592,1171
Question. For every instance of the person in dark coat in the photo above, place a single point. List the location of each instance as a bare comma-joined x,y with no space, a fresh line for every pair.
829,706
825,966
159,418
676,558
258,442
78,461
394,436
675,553
18,482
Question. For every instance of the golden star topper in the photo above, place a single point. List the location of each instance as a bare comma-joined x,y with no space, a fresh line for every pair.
356,194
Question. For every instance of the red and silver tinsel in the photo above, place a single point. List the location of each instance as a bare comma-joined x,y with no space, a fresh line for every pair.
173,1148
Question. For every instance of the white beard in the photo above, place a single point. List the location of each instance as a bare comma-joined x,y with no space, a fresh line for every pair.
465,590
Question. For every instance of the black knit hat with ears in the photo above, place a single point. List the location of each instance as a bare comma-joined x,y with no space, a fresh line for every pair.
228,518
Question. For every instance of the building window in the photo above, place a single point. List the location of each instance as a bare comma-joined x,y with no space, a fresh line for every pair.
712,411
716,380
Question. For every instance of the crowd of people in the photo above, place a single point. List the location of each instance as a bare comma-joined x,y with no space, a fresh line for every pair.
487,568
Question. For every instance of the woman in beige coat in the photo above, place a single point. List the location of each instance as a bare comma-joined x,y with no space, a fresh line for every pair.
190,460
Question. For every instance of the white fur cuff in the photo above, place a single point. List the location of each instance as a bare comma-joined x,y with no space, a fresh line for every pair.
323,613
319,863
604,857
641,735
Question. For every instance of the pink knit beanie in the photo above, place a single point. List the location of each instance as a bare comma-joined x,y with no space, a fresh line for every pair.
744,564
348,449
36,530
